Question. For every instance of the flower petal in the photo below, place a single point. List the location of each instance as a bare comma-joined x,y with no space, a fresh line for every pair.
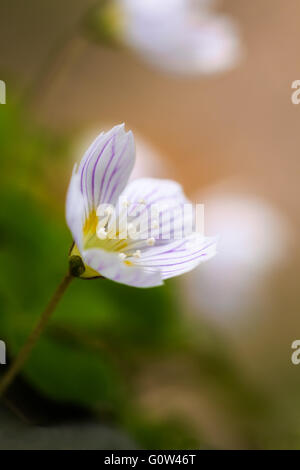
180,256
216,45
75,208
145,194
105,168
109,265
181,36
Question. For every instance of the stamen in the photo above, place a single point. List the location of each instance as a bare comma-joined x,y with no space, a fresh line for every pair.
137,254
101,233
122,256
154,224
141,201
130,230
150,241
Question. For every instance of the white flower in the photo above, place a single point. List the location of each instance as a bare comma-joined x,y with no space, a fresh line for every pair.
181,36
102,178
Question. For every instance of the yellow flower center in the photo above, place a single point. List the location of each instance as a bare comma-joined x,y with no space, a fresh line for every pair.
90,224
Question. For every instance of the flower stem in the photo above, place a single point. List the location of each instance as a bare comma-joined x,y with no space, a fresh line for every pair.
34,336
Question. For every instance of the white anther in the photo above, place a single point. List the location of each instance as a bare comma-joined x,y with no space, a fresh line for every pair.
154,224
122,256
137,254
101,233
141,201
150,241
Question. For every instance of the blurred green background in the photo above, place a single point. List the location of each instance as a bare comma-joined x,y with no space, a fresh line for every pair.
157,366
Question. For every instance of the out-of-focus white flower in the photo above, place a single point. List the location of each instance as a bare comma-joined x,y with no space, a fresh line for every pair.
253,238
181,36
101,179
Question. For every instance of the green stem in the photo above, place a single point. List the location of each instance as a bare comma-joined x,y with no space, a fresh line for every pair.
24,353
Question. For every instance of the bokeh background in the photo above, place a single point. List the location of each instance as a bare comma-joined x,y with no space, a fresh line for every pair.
204,361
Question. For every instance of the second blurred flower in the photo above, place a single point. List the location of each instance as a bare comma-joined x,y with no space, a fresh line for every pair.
178,36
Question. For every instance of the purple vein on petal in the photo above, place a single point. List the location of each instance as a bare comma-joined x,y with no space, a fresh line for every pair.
153,191
89,156
114,172
155,201
186,260
95,166
107,166
170,250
